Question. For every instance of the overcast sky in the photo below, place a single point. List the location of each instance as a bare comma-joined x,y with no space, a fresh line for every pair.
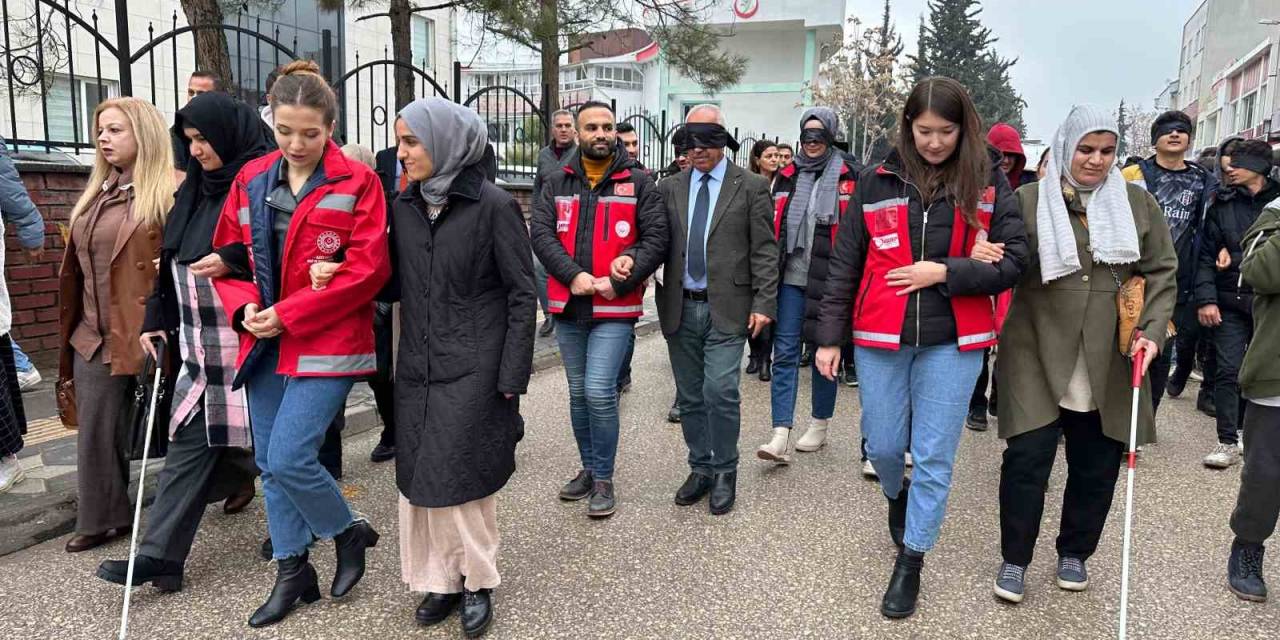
1069,51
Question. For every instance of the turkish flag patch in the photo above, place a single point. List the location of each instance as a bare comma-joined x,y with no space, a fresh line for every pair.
625,189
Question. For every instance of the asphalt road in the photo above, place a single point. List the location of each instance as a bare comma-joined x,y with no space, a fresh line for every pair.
804,555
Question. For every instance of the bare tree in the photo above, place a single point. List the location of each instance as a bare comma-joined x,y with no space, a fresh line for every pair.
865,85
38,49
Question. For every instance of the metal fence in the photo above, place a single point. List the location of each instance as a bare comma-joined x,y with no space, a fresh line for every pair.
59,65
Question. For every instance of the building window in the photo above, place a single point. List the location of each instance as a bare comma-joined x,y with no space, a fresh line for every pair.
422,37
619,77
86,91
1247,112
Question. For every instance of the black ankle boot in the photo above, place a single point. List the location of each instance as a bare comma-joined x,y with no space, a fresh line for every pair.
436,607
351,545
898,514
477,612
164,574
295,580
766,370
753,365
904,585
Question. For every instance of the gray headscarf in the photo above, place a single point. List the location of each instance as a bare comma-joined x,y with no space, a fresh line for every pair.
454,136
812,198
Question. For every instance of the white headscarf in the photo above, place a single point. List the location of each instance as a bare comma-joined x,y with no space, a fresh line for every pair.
1112,231
454,136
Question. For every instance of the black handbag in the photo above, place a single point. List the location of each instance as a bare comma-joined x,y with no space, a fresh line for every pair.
135,414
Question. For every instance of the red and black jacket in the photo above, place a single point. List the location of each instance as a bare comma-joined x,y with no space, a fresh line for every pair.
889,226
576,228
824,236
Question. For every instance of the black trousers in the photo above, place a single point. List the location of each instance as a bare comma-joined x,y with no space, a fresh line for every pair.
978,401
331,449
1193,341
1093,464
1229,342
383,382
13,419
1258,503
761,346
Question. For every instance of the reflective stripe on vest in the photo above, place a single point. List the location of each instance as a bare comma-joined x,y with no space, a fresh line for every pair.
338,201
354,363
884,338
243,216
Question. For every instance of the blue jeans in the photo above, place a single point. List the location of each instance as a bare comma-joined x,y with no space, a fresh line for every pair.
20,359
787,339
706,364
592,355
290,416
916,399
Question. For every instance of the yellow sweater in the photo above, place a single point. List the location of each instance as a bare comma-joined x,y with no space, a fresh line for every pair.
595,169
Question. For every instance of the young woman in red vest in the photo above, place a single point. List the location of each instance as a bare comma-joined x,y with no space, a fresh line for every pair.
919,308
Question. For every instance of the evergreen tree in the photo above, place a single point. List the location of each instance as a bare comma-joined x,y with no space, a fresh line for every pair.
954,43
1122,125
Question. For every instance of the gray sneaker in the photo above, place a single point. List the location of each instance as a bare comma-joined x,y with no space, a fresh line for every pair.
1010,582
1223,455
602,502
1072,575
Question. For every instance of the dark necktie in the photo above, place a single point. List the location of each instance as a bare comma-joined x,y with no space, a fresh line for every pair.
698,231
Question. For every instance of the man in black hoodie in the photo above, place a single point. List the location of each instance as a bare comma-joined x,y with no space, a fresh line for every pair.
1184,190
1224,301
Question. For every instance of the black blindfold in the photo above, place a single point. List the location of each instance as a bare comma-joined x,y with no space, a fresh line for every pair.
705,135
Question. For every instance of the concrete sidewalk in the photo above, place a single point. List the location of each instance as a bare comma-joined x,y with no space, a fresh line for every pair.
43,506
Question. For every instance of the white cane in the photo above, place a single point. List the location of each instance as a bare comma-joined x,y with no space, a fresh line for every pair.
1128,495
137,508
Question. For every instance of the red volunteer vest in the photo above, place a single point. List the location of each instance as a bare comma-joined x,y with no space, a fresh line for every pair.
615,230
847,185
879,311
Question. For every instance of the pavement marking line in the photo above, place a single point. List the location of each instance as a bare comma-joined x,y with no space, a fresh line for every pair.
46,430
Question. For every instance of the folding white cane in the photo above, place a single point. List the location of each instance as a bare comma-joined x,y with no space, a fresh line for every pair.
137,508
1128,496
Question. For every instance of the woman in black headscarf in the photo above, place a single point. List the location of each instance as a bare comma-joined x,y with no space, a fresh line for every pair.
209,421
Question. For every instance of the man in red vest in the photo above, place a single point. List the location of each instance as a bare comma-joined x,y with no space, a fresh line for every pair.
600,229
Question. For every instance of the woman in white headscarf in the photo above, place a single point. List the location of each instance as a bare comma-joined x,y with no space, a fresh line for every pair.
463,275
1060,360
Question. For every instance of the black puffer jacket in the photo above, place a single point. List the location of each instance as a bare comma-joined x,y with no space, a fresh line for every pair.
822,245
649,250
929,319
1233,211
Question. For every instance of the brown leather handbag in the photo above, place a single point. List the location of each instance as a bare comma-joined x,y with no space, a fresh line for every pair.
66,396
1130,299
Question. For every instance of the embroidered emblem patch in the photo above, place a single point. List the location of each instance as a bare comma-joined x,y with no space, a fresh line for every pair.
328,242
625,189
623,228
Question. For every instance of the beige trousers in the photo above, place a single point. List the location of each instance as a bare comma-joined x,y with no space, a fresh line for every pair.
441,548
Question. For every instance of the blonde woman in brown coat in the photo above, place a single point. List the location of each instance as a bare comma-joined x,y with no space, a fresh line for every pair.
108,271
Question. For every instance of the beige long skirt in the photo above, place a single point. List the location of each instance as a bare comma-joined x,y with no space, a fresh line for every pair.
442,550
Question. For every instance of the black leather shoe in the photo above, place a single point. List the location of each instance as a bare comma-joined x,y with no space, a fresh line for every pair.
1177,384
673,415
382,453
977,420
436,607
166,575
766,371
295,580
351,545
753,365
1204,404
477,612
724,490
548,327
904,585
694,487
267,550
898,514
577,488
603,501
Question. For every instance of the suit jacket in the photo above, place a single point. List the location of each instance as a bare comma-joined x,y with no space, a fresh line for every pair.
742,253
385,162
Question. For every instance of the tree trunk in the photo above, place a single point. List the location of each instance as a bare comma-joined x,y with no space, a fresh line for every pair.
549,42
402,51
211,44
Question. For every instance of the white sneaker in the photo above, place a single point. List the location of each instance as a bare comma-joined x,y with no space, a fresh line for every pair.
778,449
1223,456
11,472
28,379
869,471
908,460
814,437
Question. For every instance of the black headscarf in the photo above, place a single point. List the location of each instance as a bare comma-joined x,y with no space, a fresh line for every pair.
237,134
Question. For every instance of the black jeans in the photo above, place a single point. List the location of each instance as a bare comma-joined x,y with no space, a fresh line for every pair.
978,402
382,383
1258,504
1093,464
1229,341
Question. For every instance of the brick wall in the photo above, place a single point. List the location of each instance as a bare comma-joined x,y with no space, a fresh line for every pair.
524,195
33,287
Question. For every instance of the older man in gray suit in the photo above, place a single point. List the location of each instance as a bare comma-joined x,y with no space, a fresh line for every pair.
721,281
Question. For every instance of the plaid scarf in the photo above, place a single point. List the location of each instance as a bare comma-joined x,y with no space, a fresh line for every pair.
209,347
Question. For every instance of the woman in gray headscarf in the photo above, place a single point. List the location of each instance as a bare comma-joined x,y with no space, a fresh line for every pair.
1089,231
464,275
